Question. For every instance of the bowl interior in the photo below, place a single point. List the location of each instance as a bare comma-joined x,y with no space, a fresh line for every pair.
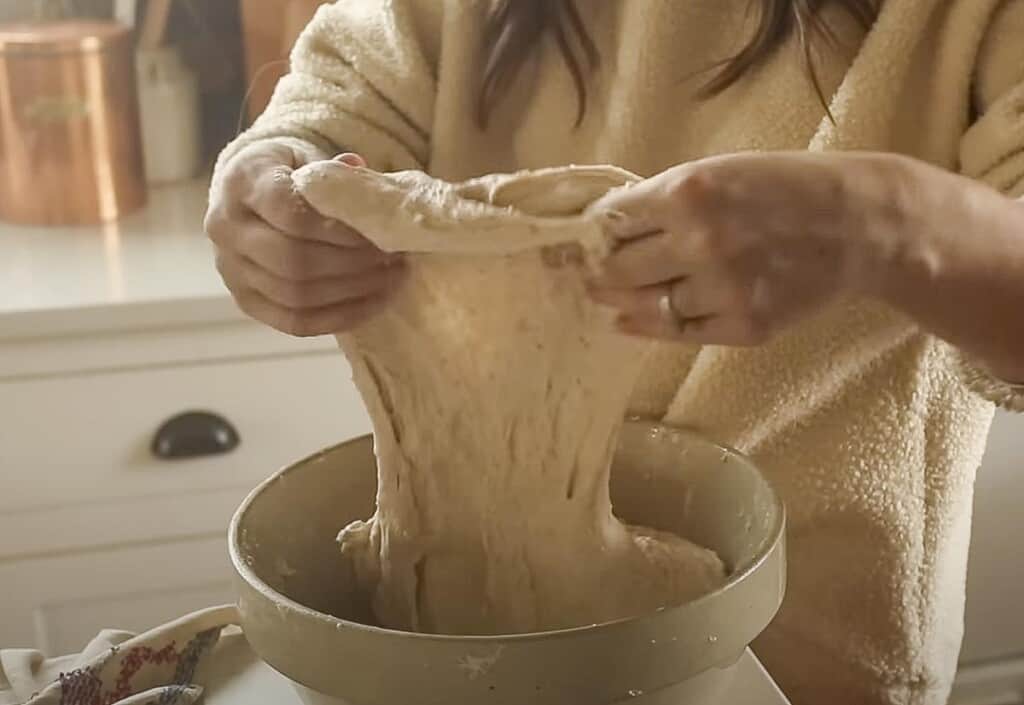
662,478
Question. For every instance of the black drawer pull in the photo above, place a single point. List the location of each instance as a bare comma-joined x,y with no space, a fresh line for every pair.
194,434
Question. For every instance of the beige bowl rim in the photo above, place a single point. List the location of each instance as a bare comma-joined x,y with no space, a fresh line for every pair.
246,573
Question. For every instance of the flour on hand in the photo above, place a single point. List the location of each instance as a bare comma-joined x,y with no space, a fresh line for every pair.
496,391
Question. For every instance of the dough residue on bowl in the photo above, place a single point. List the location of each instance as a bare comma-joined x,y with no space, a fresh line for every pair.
496,391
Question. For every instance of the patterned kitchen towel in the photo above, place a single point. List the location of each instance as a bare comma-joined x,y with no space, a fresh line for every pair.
160,667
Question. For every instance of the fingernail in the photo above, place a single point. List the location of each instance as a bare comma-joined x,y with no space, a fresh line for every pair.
350,159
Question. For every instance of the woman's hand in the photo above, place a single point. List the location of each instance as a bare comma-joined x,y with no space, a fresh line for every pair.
730,250
286,265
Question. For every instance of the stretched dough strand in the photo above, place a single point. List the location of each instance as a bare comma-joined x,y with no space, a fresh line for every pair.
496,391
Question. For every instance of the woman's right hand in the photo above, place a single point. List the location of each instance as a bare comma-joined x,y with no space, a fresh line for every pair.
286,265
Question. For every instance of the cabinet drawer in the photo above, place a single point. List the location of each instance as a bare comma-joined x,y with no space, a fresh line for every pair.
77,470
58,604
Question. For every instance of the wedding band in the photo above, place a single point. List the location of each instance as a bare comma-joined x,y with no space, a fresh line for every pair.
668,311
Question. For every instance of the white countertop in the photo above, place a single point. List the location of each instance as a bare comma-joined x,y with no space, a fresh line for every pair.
239,677
154,267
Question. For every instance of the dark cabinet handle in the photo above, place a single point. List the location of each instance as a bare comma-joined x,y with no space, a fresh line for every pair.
194,434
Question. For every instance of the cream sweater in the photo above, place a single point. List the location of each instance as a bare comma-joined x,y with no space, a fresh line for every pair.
864,424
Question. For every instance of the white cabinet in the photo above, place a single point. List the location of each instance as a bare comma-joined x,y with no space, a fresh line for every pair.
57,603
995,580
105,334
95,530
992,658
78,446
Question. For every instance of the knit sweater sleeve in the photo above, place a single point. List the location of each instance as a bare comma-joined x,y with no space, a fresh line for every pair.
362,79
992,151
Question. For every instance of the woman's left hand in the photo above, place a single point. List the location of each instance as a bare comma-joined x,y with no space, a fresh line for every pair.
730,250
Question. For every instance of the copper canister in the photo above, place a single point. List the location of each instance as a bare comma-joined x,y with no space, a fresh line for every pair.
70,145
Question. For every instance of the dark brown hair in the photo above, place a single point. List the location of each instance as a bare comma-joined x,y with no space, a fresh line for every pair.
515,28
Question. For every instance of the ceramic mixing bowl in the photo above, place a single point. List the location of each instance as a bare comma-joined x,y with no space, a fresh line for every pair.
302,615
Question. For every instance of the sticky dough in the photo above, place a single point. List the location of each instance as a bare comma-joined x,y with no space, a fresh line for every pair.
496,391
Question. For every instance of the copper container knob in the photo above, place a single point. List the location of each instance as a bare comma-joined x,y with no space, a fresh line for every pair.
70,144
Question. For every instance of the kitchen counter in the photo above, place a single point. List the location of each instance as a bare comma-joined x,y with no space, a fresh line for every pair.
230,673
242,678
153,268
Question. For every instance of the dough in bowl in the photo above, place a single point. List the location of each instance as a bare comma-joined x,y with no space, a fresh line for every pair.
496,391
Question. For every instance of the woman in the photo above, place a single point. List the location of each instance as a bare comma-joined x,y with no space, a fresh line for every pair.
849,275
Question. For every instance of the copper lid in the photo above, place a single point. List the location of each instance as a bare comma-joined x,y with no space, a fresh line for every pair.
72,36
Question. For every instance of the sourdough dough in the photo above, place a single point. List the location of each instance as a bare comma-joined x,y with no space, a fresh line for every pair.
496,391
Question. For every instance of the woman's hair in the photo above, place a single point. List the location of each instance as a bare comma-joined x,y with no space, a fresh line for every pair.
516,27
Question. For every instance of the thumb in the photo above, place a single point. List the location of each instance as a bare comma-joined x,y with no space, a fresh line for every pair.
350,159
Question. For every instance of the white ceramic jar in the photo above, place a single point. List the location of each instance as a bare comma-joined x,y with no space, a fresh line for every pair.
169,110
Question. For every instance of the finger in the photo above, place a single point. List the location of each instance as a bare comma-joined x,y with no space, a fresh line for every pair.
274,199
658,327
650,260
711,330
259,181
303,260
328,320
245,170
317,293
266,155
694,297
629,212
691,196
623,226
351,159
650,206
